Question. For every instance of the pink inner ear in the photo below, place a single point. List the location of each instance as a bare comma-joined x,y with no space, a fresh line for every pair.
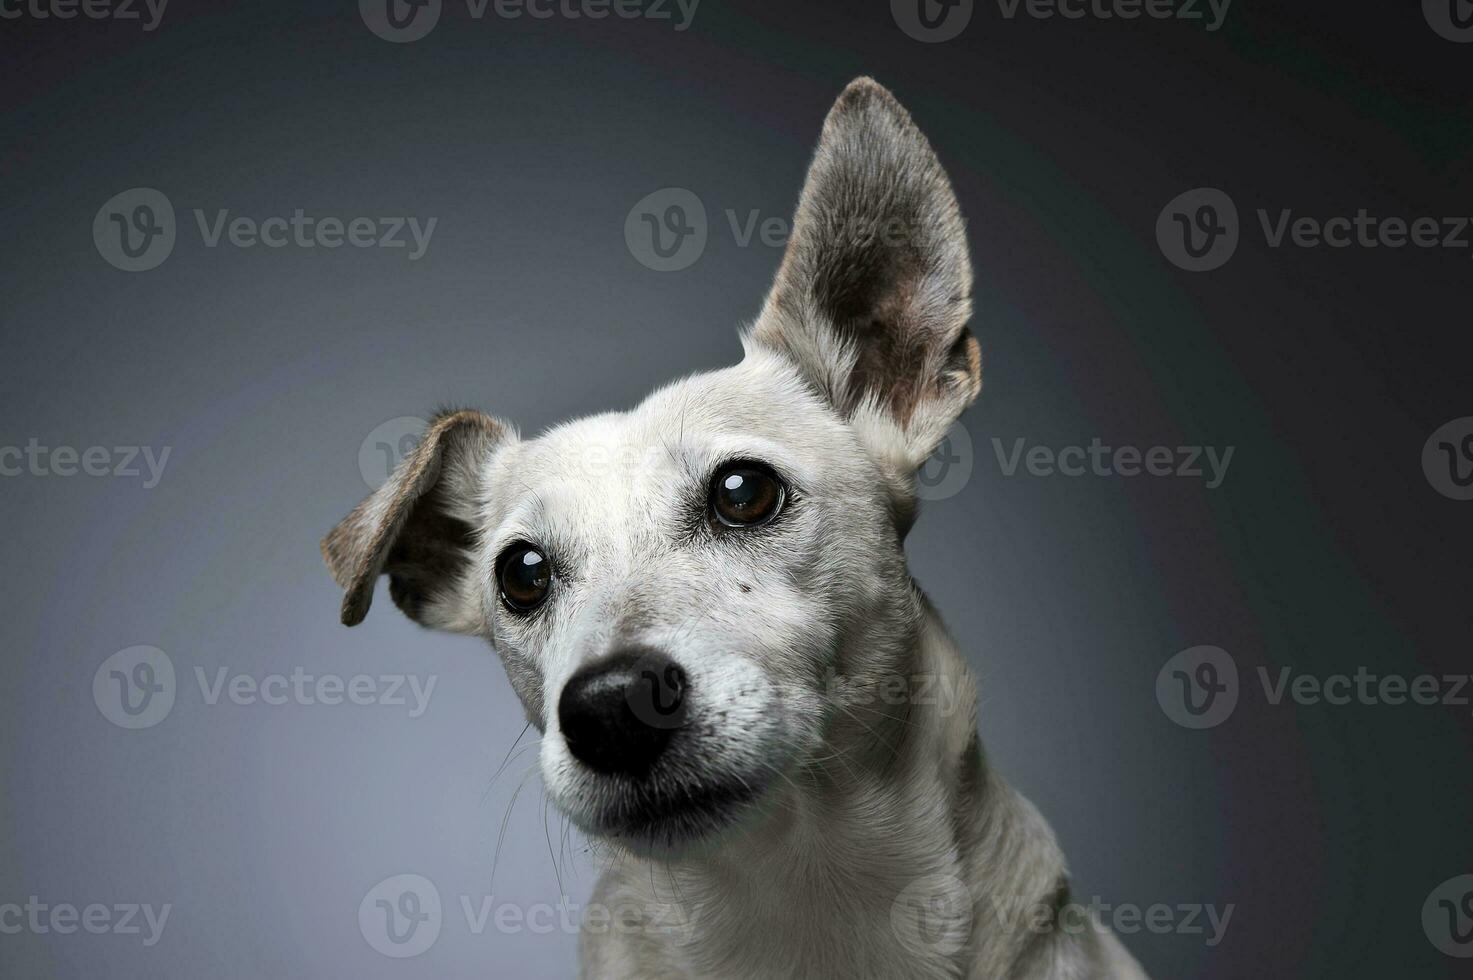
876,267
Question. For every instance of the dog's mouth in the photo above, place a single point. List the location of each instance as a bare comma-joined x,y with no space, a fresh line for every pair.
664,815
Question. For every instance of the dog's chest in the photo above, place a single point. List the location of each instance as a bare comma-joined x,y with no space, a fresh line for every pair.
840,899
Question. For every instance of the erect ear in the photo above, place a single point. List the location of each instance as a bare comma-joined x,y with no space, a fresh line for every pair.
419,528
874,293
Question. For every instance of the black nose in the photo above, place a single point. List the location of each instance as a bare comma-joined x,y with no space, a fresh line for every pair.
617,714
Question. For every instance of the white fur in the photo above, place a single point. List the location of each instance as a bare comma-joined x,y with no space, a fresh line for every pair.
821,803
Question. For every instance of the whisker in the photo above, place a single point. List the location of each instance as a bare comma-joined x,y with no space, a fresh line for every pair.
506,819
548,837
506,759
511,758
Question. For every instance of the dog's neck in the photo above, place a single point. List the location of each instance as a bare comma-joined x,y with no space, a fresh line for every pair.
898,804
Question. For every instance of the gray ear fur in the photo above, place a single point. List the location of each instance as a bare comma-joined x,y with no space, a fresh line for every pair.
418,528
874,292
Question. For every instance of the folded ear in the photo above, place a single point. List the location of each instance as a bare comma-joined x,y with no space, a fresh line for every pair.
874,293
419,528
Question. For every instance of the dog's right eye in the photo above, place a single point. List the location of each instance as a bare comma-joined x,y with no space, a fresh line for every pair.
524,576
746,495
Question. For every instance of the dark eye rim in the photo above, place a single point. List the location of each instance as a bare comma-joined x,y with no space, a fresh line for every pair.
784,494
515,548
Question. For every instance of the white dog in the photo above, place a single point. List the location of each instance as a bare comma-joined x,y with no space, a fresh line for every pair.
705,608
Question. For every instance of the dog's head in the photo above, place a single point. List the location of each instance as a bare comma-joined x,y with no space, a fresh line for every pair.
674,589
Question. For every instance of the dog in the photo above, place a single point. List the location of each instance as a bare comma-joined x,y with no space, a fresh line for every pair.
704,606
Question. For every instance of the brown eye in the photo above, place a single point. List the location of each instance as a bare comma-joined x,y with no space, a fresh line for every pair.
746,495
524,575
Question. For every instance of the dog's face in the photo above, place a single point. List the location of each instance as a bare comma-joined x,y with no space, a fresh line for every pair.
674,590
703,553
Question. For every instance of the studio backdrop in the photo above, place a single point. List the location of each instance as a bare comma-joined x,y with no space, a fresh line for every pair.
1203,538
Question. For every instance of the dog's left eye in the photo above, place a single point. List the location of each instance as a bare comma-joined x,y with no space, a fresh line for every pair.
524,575
746,495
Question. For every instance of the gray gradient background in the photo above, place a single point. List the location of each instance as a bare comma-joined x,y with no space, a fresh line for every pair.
1326,549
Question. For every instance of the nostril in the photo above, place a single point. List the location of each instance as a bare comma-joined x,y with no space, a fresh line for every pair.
616,714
